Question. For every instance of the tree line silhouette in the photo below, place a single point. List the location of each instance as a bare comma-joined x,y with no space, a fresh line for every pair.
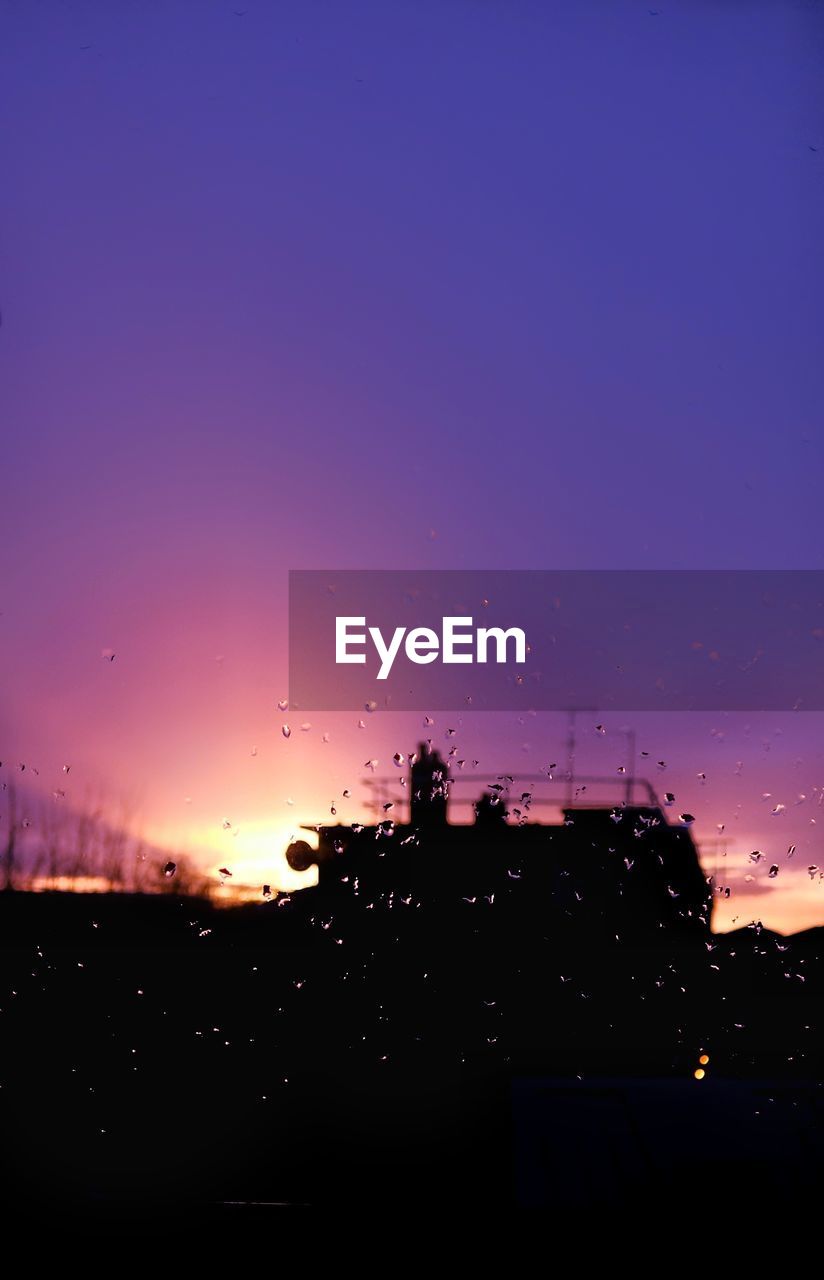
54,847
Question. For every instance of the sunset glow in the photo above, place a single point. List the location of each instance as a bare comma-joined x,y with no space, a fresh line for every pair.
411,442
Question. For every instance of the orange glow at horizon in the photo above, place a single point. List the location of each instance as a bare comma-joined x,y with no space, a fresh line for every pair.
179,739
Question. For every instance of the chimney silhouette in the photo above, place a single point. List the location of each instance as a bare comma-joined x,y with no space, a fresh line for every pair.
429,783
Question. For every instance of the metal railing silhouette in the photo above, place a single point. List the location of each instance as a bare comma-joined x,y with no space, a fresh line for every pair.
387,788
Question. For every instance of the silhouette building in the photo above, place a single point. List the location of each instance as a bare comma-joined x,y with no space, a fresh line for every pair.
621,869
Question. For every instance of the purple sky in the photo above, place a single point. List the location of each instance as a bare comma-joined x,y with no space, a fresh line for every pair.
388,285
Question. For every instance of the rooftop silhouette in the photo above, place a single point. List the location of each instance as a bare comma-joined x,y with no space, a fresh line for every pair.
603,868
500,1013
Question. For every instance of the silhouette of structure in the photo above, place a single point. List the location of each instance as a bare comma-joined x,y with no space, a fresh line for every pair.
621,869
505,1013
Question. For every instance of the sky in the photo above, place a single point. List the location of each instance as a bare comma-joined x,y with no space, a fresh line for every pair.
395,285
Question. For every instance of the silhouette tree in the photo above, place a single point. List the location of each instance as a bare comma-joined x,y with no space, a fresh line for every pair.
10,851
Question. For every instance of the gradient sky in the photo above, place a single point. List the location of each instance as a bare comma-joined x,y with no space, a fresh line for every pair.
419,285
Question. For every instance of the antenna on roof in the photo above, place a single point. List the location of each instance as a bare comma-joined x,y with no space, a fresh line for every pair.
572,712
630,766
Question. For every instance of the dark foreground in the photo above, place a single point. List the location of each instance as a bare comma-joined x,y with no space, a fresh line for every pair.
163,1060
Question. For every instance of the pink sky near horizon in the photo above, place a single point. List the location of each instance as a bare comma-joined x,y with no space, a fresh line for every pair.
184,731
